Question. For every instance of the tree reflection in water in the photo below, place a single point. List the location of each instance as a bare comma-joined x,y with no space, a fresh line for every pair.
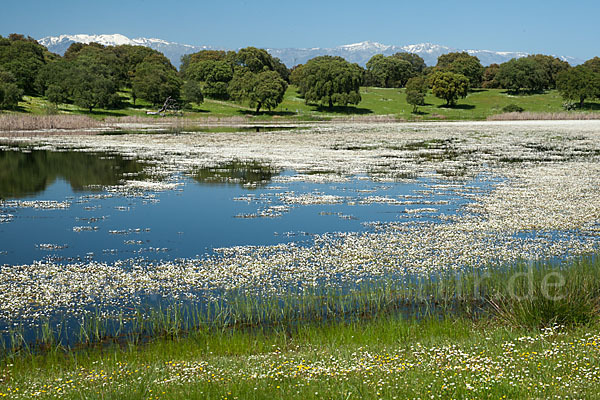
250,173
25,173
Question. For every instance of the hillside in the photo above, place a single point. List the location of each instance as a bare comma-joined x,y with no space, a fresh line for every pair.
478,105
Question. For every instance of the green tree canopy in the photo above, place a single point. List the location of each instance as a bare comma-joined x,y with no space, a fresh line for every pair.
416,89
593,64
91,90
578,83
415,60
56,94
122,61
522,74
464,64
113,66
445,60
156,79
57,74
260,89
205,55
258,60
215,55
489,77
87,80
75,48
213,76
255,60
210,70
551,66
281,69
331,80
10,93
192,92
22,57
296,74
93,82
388,72
449,86
214,69
132,56
114,60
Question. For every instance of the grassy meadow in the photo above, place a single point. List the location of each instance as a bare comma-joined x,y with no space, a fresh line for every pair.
387,358
478,105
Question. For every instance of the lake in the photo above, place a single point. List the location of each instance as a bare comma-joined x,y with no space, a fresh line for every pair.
109,223
66,206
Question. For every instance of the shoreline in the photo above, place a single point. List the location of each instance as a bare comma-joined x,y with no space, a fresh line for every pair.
53,124
180,126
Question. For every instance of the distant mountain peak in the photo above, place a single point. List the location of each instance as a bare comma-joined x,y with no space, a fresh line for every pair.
359,52
173,51
364,45
426,48
114,39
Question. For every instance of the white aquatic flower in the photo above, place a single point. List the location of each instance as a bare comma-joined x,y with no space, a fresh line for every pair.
549,190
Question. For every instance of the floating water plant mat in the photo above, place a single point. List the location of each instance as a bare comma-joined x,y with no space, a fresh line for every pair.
483,195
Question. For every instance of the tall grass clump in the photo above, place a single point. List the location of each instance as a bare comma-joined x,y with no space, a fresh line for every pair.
536,296
526,295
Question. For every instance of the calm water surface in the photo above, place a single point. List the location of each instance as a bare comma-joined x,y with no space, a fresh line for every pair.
222,206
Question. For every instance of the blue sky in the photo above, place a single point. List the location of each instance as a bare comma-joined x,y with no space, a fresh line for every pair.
549,27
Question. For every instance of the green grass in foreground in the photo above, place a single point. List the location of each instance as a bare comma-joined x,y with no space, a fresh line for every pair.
383,358
479,104
540,340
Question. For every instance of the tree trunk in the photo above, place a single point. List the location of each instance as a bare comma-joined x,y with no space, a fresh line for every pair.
258,107
581,99
165,105
330,103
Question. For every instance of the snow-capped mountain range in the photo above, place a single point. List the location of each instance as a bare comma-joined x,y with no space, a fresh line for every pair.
358,52
361,53
173,51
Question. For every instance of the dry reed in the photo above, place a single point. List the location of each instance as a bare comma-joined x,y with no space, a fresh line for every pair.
174,121
17,122
20,123
368,118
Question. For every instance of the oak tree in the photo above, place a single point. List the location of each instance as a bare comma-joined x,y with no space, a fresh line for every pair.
449,86
578,84
329,80
464,64
261,90
521,74
416,89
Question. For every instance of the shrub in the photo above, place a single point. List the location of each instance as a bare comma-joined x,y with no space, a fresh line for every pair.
513,108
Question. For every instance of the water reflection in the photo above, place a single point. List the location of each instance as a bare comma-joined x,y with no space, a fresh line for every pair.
248,173
25,173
